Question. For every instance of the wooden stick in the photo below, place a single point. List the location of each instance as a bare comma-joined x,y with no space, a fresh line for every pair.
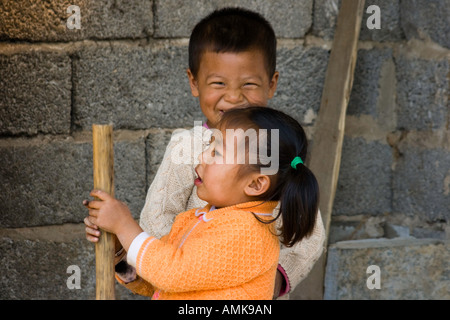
104,180
326,150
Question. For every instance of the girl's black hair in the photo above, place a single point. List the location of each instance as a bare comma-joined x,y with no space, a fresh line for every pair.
296,189
233,30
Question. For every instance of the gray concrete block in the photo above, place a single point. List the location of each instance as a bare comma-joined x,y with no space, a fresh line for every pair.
34,20
420,179
133,86
345,231
425,19
422,233
44,183
409,269
35,93
364,185
289,18
356,228
326,13
302,76
38,269
367,81
324,18
422,93
35,264
396,231
390,22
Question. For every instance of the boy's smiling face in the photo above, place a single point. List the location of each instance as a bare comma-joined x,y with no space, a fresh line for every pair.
231,80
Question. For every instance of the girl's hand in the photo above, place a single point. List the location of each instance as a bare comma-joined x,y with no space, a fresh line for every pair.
110,215
92,231
107,213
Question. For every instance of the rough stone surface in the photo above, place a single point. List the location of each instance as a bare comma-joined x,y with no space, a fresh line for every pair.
46,277
35,20
426,20
367,227
38,269
364,184
302,75
424,194
367,80
326,13
409,270
422,93
134,87
45,184
324,18
390,29
289,18
35,93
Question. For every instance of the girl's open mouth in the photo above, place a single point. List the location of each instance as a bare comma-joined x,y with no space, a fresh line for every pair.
198,180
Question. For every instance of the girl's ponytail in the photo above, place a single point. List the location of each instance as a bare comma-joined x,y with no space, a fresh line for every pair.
299,203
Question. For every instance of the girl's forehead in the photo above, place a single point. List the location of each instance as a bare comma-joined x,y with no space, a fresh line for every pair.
233,136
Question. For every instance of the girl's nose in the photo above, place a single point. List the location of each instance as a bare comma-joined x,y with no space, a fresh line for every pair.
200,157
203,158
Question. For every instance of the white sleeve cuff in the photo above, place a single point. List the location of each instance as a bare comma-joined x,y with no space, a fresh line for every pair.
133,250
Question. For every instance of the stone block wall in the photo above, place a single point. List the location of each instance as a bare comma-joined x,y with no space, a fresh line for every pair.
127,66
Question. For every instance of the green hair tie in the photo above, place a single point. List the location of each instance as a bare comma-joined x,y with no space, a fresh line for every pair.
295,162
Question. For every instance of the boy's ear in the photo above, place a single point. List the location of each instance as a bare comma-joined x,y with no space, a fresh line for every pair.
273,84
257,185
193,83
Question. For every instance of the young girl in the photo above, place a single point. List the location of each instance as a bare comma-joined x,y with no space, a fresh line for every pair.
230,248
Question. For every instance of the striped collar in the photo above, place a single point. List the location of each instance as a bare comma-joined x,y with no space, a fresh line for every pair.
260,208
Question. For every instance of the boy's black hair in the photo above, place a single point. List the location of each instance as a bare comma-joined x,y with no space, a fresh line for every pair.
296,189
233,30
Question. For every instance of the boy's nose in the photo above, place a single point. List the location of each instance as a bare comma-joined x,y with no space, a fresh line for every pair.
234,96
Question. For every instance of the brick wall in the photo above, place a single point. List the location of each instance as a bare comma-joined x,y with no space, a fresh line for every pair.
127,66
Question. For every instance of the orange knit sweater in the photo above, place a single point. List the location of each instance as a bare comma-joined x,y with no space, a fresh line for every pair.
219,254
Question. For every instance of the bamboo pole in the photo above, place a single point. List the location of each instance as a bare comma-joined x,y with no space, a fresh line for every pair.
103,154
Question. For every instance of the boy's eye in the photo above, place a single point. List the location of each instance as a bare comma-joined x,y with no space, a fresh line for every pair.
250,85
217,84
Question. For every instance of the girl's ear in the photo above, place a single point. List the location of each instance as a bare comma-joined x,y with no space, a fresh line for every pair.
258,185
193,83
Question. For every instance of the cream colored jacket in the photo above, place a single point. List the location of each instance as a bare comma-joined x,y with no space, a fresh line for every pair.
173,191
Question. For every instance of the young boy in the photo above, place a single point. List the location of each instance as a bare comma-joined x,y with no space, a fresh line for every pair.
232,59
